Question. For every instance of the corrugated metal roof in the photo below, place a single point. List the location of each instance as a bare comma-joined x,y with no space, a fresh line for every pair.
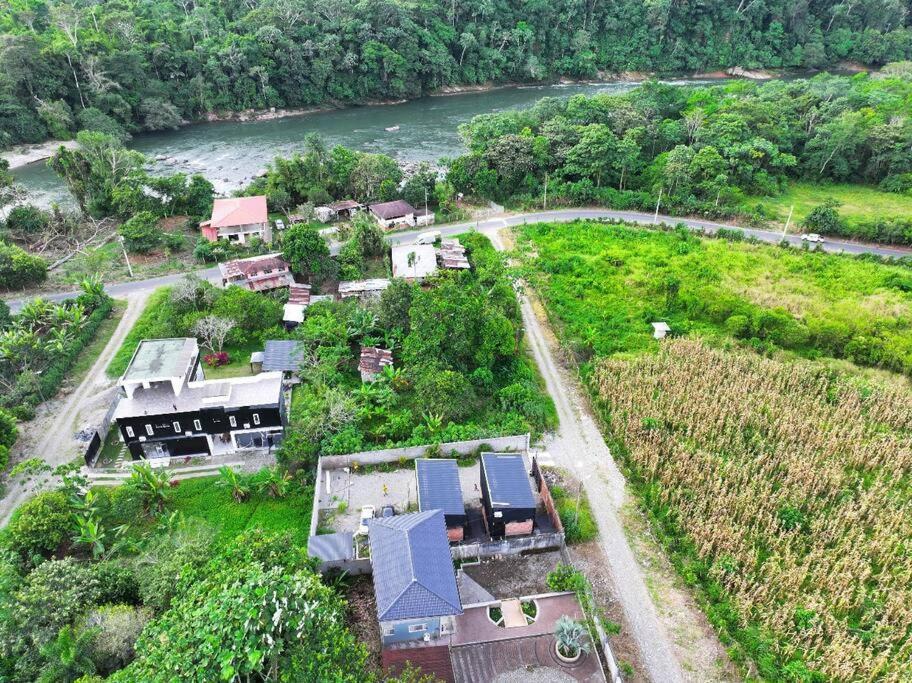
412,566
438,486
374,359
282,355
507,480
332,547
389,210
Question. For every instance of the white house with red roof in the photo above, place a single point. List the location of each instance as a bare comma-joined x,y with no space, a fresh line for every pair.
237,219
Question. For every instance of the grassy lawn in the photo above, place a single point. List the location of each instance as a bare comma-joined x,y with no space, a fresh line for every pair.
239,365
90,353
203,499
858,202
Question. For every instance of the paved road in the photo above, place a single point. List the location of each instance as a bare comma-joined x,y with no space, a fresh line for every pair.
123,289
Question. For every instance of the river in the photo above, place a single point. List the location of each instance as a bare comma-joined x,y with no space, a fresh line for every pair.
230,153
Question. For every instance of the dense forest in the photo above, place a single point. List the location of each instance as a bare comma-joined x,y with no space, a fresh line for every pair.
704,149
134,65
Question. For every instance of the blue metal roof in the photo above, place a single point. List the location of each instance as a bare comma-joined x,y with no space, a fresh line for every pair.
413,569
438,486
282,355
507,480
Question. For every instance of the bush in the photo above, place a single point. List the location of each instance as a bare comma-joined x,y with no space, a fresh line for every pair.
9,432
216,360
41,525
117,628
565,577
19,269
27,219
116,583
141,233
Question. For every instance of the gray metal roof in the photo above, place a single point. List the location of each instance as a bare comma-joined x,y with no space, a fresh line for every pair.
412,566
332,547
282,355
438,486
507,481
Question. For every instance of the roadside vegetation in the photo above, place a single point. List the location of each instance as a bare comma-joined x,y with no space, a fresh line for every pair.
714,151
775,477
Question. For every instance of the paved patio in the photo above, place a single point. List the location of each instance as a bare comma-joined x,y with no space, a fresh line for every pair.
473,625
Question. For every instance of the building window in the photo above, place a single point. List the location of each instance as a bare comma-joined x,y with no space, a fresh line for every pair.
149,430
197,426
417,628
177,427
130,432
388,630
232,420
256,418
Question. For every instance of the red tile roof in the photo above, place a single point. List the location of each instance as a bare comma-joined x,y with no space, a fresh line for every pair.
299,294
432,659
236,211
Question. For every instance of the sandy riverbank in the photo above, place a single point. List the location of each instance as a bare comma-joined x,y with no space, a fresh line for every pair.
23,155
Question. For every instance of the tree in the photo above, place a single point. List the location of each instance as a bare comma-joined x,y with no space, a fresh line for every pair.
420,186
592,157
141,233
238,484
39,526
152,486
212,331
307,252
255,612
374,177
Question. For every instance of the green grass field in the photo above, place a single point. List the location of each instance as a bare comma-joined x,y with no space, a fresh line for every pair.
858,202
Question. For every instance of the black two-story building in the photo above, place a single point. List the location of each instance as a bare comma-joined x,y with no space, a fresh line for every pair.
169,409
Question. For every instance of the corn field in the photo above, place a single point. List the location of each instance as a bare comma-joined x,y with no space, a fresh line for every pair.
793,482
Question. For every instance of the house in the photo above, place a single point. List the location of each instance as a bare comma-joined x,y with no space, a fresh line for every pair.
424,217
453,255
506,495
237,219
364,290
439,489
346,208
414,582
168,408
282,355
298,301
414,261
393,214
257,273
373,360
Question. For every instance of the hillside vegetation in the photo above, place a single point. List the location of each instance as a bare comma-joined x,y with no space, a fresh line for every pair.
706,150
778,483
147,64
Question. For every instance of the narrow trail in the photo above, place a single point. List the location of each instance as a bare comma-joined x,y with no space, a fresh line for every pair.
579,447
68,410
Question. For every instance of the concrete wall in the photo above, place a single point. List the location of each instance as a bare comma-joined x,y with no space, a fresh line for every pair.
362,566
508,546
500,443
401,630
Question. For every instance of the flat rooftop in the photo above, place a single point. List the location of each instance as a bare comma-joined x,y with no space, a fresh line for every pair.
422,264
161,359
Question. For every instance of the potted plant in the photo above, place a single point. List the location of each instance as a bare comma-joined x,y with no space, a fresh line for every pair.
570,639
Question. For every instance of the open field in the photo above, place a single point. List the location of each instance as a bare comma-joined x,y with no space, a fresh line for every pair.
776,478
857,202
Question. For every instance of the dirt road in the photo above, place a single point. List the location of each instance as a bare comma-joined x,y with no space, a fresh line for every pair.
49,437
579,447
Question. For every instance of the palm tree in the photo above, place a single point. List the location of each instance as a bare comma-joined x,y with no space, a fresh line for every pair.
571,637
68,656
361,323
152,486
238,484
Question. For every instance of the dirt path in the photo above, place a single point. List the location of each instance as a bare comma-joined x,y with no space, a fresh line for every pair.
674,643
49,437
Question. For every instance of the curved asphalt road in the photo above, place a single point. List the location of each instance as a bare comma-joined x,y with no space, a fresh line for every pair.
562,215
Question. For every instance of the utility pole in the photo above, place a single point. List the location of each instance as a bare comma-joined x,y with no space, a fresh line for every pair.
425,204
788,221
546,191
126,258
655,218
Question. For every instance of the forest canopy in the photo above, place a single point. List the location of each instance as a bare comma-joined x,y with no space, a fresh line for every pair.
128,66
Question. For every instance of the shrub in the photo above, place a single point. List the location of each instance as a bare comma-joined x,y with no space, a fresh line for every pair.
27,219
19,269
141,233
8,430
116,629
825,219
216,360
117,583
41,525
565,578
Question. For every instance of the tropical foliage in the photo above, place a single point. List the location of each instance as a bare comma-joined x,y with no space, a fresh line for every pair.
139,65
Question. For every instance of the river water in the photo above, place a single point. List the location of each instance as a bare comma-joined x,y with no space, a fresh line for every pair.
230,153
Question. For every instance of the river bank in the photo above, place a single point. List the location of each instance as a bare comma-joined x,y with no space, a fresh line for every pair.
23,155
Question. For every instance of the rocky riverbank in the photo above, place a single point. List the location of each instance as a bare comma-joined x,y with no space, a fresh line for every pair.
23,155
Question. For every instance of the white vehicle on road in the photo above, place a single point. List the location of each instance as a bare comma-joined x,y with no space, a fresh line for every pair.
428,237
367,512
812,237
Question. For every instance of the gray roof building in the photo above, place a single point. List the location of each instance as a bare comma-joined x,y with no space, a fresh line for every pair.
506,480
282,355
412,567
439,489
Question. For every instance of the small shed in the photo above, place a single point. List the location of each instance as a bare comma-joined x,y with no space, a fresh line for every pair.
364,290
282,355
256,362
506,494
660,329
373,360
439,489
292,315
453,255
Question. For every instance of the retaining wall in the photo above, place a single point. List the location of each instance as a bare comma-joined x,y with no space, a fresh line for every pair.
497,444
508,546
